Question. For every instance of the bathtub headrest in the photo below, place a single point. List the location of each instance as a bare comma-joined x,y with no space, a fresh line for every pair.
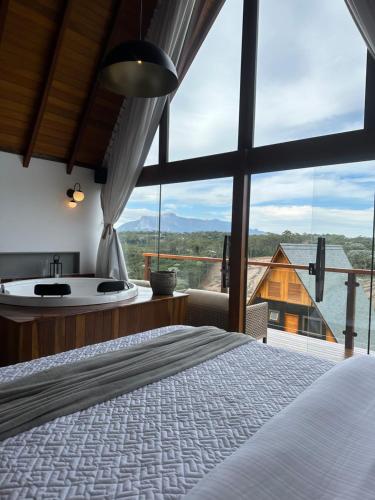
112,286
52,289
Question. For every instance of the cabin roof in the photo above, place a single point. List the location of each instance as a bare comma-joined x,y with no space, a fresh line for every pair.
333,306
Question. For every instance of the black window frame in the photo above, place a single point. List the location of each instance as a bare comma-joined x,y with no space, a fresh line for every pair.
309,332
278,316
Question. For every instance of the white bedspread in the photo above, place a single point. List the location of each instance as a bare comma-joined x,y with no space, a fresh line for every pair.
320,447
158,441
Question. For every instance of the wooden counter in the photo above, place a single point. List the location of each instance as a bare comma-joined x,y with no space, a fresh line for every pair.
29,332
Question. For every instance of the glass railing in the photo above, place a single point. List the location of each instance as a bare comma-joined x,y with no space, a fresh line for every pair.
342,318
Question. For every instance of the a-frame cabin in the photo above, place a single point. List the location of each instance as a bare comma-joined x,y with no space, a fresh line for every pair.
291,305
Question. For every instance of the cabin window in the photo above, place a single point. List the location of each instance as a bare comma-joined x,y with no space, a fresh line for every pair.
312,326
274,316
274,289
294,292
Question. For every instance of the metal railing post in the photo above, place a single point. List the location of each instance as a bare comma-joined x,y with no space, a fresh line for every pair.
349,331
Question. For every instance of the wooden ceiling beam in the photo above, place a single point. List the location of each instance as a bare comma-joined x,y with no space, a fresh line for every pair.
4,4
91,98
66,11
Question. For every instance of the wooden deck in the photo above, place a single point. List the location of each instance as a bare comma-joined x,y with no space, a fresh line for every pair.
316,347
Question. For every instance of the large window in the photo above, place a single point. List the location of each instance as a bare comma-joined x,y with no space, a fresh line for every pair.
289,210
311,79
311,69
138,229
139,223
195,217
204,112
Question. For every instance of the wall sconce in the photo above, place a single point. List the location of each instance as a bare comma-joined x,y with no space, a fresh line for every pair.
75,195
72,203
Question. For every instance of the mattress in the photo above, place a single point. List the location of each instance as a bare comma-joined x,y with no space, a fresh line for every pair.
156,442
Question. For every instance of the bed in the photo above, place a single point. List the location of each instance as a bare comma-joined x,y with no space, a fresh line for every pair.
320,447
157,441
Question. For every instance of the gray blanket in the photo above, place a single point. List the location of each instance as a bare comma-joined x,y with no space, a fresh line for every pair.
36,399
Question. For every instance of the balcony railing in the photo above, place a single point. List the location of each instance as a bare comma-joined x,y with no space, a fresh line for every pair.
351,282
148,256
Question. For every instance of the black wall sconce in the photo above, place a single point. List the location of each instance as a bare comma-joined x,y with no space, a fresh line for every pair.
55,267
76,195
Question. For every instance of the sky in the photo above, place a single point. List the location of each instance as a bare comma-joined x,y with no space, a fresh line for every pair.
310,82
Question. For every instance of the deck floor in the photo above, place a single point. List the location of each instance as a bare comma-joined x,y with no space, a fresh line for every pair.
315,347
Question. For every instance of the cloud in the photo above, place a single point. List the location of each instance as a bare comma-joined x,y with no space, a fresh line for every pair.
170,207
212,193
310,78
340,185
336,199
149,194
311,70
153,154
204,112
310,219
278,218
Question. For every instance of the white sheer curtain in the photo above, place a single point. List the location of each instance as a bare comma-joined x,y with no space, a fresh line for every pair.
363,12
174,29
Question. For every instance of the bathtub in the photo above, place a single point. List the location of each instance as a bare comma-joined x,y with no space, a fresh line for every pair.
83,292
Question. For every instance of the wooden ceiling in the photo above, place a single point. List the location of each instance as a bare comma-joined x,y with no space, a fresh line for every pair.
51,105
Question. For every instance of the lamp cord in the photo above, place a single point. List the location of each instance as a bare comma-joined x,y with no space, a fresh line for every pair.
140,20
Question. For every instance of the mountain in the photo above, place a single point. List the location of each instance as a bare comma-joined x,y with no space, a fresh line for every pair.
172,223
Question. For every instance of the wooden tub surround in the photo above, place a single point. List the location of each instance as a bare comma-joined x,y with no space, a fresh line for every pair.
28,332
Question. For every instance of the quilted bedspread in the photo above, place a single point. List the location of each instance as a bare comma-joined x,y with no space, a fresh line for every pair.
158,441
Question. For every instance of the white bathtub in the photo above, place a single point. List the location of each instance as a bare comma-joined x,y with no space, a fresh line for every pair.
21,293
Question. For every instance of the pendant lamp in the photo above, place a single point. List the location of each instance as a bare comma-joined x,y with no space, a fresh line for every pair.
139,69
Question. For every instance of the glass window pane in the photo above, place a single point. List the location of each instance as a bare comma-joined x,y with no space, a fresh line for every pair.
153,154
289,210
204,111
138,229
138,225
195,218
311,70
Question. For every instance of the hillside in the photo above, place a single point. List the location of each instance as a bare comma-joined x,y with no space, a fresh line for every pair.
210,244
172,223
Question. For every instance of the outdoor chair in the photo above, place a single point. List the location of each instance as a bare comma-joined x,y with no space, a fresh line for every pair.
212,308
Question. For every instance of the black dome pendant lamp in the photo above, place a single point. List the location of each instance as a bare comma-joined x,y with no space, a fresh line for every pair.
139,69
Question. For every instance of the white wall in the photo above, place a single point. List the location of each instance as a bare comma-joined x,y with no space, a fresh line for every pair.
34,216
